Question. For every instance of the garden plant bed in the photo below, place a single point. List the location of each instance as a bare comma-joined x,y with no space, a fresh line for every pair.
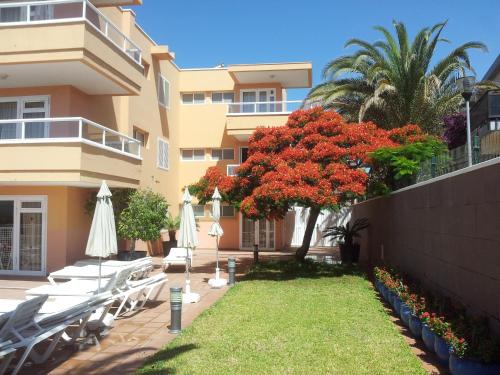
292,318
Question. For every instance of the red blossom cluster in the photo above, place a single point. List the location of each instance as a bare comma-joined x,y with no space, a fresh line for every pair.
315,160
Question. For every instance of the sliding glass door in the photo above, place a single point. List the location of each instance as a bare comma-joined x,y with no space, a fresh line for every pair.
22,235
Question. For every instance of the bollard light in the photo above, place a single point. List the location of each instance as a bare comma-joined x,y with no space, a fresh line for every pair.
175,310
256,253
231,270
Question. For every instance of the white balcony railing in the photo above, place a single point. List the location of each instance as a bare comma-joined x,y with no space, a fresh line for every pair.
60,11
231,169
263,108
66,130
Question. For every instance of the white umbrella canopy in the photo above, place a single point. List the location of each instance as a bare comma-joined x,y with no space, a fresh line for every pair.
188,239
102,238
216,231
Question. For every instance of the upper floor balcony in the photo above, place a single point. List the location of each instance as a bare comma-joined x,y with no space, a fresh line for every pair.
70,150
66,42
243,118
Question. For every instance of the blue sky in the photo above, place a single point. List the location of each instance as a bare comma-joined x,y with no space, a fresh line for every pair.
204,33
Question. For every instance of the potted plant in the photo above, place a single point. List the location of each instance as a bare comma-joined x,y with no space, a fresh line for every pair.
473,351
346,234
143,219
417,308
428,336
173,224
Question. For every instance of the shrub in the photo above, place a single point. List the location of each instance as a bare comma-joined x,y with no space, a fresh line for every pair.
144,218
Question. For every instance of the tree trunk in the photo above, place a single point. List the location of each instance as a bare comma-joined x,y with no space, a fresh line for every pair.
301,252
132,245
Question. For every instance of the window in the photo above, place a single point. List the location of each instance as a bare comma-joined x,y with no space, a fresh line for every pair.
231,169
243,154
163,91
222,97
193,154
223,154
199,210
146,67
30,107
193,98
162,161
227,211
141,136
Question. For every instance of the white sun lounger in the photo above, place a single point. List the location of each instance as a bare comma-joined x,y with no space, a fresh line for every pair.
177,256
79,287
36,320
6,356
136,293
144,265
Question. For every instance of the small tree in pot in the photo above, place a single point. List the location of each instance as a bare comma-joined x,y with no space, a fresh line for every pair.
346,234
143,219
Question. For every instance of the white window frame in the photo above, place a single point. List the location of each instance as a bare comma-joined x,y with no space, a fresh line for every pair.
194,210
162,142
21,101
161,86
222,158
193,102
228,167
241,153
18,199
193,159
145,135
223,100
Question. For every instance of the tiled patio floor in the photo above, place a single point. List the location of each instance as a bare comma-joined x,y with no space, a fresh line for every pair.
139,335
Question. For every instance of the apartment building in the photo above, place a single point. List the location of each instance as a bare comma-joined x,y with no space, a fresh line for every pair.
86,95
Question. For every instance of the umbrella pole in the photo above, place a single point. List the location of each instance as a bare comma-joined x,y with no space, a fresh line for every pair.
99,279
188,281
217,257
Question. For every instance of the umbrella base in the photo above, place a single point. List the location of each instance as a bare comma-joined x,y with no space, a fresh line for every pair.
217,283
190,297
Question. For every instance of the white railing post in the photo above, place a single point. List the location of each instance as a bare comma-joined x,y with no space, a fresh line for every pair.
28,15
103,137
123,144
80,128
23,130
106,28
84,11
138,149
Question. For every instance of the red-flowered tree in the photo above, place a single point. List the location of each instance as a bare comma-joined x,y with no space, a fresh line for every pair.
316,161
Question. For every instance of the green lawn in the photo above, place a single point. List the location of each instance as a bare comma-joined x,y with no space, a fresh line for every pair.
289,318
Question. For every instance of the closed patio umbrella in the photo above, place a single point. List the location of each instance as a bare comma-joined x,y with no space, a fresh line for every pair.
216,231
188,239
102,237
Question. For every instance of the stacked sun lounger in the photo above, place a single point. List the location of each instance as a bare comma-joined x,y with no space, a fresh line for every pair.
61,311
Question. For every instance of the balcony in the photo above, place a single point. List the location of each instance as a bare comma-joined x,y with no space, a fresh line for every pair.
66,42
67,150
244,118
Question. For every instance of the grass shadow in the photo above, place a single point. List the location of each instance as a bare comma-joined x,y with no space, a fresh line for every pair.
282,270
164,356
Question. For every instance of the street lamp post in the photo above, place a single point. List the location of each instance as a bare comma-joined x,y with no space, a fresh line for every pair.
466,86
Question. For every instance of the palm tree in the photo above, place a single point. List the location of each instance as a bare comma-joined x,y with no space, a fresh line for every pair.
392,82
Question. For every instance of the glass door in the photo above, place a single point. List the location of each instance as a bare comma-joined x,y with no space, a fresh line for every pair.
22,235
260,232
35,108
249,97
6,235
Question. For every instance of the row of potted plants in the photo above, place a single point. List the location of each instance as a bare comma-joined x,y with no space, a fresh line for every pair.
459,341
